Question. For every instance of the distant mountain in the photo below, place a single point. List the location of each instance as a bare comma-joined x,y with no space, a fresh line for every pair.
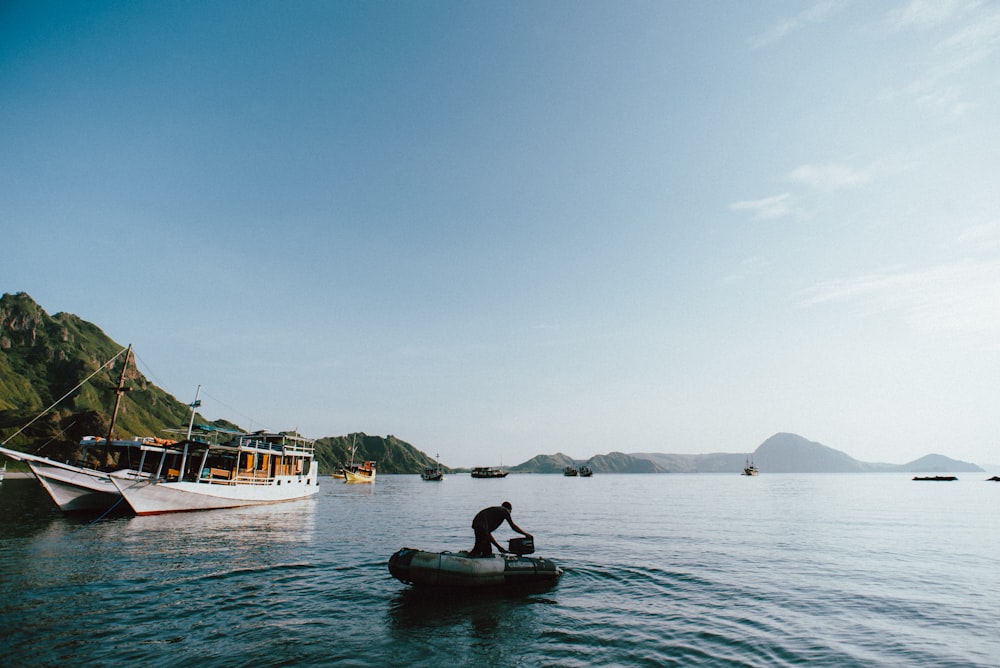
781,453
613,462
938,464
43,357
545,464
790,453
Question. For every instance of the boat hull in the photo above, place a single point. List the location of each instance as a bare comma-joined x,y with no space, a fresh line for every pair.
432,474
447,569
147,497
76,489
352,477
488,472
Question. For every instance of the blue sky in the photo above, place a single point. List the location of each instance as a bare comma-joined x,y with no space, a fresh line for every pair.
502,229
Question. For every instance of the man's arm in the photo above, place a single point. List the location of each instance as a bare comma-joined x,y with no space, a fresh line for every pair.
517,528
500,547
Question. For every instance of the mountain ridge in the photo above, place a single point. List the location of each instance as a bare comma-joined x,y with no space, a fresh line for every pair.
43,358
781,453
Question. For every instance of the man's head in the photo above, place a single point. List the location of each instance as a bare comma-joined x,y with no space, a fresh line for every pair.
506,504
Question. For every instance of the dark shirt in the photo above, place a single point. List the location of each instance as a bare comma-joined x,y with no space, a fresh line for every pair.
491,518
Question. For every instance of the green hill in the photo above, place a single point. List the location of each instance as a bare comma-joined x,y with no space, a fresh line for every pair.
43,358
391,454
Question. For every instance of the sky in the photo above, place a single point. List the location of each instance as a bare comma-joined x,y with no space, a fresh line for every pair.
502,229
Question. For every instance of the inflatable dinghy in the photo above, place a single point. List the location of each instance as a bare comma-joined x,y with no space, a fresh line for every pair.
451,569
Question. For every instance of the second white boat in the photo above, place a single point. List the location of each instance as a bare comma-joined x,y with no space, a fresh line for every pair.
250,470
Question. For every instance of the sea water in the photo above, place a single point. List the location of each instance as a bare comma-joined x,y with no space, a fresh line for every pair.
661,570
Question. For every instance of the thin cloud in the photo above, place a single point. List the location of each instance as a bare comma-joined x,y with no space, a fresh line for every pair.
957,300
830,176
818,13
776,206
983,238
974,42
973,39
925,14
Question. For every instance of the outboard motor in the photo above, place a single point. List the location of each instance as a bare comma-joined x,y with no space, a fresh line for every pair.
521,546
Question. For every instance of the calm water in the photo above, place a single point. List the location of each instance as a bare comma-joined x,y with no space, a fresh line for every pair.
660,570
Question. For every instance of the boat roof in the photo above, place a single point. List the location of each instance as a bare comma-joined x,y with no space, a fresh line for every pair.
260,442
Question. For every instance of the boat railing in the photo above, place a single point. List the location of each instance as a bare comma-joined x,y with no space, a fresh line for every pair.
292,447
216,476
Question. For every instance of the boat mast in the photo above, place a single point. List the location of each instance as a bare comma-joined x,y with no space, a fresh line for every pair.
194,405
187,441
119,391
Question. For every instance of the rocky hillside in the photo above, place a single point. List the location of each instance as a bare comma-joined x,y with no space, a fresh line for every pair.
43,358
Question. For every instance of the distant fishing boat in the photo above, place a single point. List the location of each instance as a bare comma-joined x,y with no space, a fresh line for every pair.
585,472
570,471
434,472
749,468
935,478
364,472
488,472
359,473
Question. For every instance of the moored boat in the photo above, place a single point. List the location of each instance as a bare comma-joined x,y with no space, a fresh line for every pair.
448,569
488,472
936,478
586,472
3,471
570,471
254,469
359,473
434,472
77,487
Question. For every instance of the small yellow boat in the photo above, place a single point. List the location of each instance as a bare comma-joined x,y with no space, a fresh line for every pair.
361,473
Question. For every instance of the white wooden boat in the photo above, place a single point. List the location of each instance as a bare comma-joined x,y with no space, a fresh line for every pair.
250,470
78,488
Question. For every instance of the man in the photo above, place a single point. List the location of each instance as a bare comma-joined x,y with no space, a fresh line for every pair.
486,522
